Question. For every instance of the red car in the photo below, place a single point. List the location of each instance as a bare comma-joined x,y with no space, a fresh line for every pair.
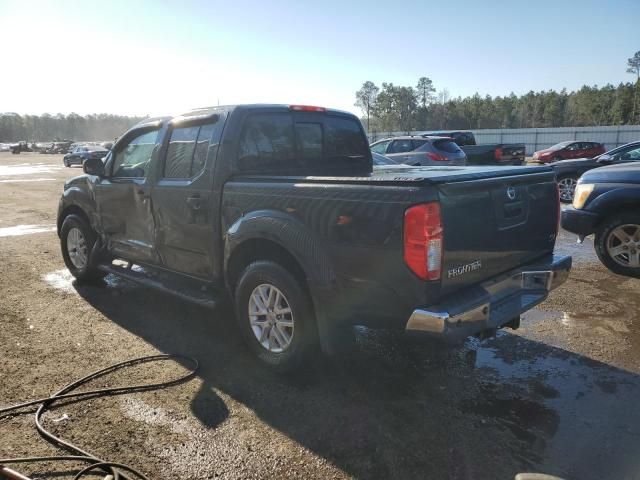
568,150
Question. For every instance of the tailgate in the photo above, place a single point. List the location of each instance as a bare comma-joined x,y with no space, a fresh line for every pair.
493,225
512,152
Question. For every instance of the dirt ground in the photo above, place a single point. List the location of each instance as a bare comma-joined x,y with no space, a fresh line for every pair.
559,396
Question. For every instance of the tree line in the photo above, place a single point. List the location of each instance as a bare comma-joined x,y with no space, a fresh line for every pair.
404,108
46,127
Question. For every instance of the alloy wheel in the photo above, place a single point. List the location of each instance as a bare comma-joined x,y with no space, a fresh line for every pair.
77,248
567,188
271,318
623,245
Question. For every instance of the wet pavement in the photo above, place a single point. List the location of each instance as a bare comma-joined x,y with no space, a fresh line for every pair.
558,396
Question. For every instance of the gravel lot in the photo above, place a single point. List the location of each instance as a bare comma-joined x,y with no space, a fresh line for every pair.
558,396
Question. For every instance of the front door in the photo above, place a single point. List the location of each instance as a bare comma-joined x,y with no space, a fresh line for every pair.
186,225
123,198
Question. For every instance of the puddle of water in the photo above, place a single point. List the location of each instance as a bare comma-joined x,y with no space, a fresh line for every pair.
7,170
25,230
60,280
16,180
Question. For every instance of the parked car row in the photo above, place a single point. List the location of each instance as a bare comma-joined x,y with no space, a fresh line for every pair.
448,148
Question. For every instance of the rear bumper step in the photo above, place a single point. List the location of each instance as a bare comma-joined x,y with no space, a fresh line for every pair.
494,303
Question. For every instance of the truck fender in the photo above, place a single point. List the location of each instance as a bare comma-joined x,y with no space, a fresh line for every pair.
75,198
615,200
291,234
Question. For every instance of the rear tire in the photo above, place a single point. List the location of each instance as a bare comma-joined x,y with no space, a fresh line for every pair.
567,187
275,316
77,239
617,244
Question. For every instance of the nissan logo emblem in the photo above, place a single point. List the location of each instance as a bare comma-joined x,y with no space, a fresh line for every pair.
511,193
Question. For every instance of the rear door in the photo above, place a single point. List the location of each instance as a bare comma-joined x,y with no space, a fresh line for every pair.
494,225
186,225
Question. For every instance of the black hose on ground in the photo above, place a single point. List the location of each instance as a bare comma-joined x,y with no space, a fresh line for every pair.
95,463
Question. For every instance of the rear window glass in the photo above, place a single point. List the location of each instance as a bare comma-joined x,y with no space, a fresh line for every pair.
400,146
345,139
288,143
266,140
418,143
446,146
180,152
188,148
309,137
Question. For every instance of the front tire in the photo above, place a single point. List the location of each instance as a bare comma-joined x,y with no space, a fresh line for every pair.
77,239
275,316
617,244
567,187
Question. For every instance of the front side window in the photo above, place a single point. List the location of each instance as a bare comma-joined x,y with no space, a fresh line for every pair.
135,158
631,155
267,140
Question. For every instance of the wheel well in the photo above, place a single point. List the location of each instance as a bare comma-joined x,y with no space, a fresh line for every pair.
71,210
261,249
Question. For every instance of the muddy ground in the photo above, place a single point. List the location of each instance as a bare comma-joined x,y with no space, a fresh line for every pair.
559,396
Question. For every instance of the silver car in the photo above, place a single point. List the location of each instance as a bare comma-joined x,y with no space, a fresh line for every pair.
421,150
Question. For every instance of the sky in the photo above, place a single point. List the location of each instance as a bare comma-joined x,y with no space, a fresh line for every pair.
160,57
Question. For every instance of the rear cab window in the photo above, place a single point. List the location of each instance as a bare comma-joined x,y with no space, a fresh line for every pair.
301,143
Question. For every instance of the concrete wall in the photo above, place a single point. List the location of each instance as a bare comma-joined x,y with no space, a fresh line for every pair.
539,138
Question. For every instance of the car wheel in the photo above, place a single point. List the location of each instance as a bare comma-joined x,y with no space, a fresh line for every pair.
275,316
567,187
617,244
76,241
66,162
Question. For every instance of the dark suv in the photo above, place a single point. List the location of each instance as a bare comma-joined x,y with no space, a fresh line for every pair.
413,150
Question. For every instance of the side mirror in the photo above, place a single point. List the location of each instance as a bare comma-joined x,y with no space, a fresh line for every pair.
93,166
605,159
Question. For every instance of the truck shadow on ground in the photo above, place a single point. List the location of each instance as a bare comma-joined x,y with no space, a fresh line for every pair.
396,409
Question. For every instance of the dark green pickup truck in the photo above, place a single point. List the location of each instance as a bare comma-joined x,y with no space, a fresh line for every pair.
278,208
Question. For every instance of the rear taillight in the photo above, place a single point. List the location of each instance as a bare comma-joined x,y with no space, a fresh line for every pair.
437,157
498,153
423,240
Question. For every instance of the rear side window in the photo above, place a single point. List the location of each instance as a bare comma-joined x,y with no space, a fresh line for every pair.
345,139
180,152
418,143
187,151
267,140
448,146
400,146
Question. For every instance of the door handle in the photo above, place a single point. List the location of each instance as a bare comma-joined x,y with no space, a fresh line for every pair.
195,202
